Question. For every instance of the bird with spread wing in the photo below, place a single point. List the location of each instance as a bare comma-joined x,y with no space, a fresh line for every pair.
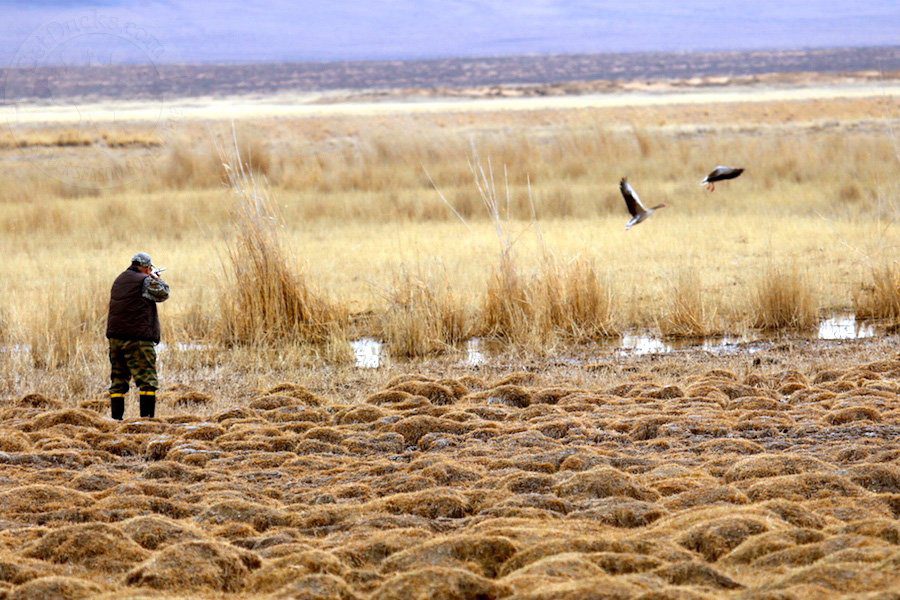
720,173
639,212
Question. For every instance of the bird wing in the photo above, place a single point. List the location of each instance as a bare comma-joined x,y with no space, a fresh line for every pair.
632,200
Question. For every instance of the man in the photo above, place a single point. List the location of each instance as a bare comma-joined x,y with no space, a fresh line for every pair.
132,328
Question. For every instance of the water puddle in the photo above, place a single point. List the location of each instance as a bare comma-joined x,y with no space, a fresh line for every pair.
637,344
182,346
844,327
475,353
369,353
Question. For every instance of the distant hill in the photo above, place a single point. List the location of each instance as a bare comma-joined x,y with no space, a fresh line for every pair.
165,81
265,31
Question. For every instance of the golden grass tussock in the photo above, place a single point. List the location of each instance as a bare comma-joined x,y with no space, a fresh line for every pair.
96,546
879,297
63,588
196,565
424,316
784,299
688,311
439,583
267,298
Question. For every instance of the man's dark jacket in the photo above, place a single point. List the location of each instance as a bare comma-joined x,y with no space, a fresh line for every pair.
131,316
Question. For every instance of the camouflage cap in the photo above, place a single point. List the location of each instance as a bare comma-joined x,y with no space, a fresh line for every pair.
143,259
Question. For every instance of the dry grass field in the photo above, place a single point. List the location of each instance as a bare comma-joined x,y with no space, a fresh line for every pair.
558,469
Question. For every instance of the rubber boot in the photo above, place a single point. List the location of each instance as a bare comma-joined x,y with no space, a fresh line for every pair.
148,404
117,406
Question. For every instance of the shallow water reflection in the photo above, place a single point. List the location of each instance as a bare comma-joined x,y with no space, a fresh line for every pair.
368,352
475,352
844,327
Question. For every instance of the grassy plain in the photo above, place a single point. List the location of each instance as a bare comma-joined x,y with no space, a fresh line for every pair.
277,469
364,206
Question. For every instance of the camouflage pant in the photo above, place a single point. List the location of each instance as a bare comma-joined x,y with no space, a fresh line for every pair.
132,359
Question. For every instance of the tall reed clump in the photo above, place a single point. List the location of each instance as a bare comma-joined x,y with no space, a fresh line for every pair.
507,311
424,316
879,297
573,300
687,313
784,299
267,298
70,328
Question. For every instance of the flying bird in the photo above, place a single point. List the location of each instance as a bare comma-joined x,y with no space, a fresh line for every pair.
638,211
720,173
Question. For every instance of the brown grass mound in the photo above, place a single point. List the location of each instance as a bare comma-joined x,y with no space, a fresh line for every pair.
305,396
41,498
877,477
620,512
539,550
273,402
773,465
769,542
15,570
55,588
621,563
695,573
69,416
282,571
705,496
795,514
440,583
600,587
887,530
153,531
842,578
373,549
38,401
13,441
240,511
97,405
729,446
508,395
194,566
360,414
715,538
316,587
413,428
806,486
481,554
559,568
851,414
191,399
96,546
601,482
432,504
438,394
393,397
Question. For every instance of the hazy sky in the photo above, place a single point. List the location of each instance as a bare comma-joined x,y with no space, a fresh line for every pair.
250,30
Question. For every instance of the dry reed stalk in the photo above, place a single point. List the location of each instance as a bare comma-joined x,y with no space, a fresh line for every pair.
507,310
784,299
267,298
424,317
687,313
879,298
